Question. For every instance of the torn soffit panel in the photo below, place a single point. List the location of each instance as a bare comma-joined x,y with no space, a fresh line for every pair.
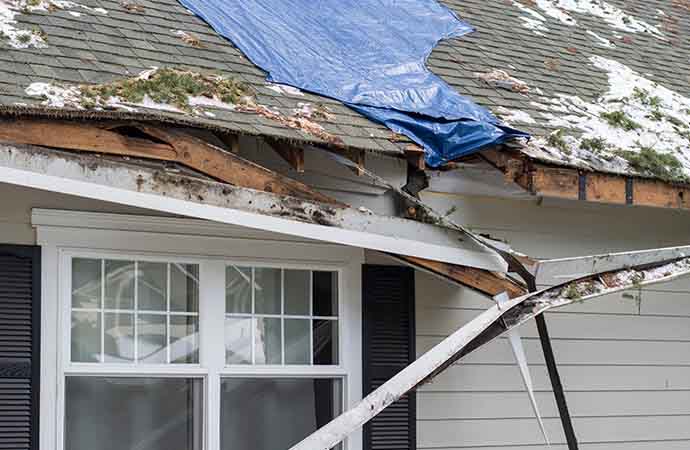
117,181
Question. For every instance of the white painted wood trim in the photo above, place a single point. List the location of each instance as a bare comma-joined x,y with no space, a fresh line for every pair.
62,238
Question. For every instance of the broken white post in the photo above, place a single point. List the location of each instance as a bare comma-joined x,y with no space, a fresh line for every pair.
484,328
519,352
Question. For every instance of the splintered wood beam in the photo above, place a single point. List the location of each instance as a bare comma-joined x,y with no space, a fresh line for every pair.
572,184
169,145
226,166
291,154
357,157
484,281
82,136
481,330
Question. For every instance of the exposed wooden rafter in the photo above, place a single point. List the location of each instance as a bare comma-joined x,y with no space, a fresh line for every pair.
166,144
291,154
572,184
484,281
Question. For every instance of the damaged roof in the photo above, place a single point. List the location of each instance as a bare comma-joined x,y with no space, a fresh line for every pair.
565,70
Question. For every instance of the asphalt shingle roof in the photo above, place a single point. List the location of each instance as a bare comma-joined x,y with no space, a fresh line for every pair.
89,47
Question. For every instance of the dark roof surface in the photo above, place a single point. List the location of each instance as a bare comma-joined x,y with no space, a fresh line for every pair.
553,58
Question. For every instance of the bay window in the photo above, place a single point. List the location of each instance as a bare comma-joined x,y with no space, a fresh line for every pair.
224,352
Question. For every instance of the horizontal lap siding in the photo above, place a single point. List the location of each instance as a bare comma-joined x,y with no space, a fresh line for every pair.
624,359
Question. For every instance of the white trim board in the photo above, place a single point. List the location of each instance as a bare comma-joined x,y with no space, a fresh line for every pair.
141,187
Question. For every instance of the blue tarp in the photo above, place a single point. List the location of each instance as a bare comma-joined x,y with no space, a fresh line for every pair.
370,55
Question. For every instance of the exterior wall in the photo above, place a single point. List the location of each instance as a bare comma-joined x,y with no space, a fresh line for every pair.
624,359
15,210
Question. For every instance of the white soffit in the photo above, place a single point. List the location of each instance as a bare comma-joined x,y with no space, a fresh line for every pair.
104,179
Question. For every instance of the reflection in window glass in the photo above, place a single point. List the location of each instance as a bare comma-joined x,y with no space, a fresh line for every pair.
184,339
238,340
297,292
144,312
275,413
184,287
325,342
325,287
267,290
152,286
86,336
268,341
152,339
86,283
119,284
297,344
118,343
238,290
133,413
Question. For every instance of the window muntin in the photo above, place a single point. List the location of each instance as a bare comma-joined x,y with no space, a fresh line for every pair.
134,312
281,316
115,413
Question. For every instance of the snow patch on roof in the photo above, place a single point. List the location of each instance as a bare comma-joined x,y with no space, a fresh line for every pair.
600,40
284,89
510,116
635,115
559,9
33,38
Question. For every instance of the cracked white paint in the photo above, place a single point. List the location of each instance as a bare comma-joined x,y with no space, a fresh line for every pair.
559,10
663,117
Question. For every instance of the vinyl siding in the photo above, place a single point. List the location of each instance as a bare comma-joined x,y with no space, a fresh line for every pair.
624,359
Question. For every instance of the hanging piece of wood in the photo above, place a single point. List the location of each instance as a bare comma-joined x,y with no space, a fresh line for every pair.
484,281
483,329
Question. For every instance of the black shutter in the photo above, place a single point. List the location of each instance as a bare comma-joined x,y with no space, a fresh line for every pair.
19,340
389,346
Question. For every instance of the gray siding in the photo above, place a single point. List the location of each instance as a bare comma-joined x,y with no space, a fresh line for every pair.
624,359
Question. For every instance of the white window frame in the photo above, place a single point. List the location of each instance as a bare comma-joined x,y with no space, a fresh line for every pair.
64,235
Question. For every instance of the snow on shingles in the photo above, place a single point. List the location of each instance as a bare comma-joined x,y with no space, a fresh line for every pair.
509,116
23,38
559,9
661,116
600,40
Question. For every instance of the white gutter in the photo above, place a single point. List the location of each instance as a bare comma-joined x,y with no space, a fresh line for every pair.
104,179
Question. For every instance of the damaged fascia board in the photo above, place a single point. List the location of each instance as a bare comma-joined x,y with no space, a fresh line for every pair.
486,327
157,189
551,272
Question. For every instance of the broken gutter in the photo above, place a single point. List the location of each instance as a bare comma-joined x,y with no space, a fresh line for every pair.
483,329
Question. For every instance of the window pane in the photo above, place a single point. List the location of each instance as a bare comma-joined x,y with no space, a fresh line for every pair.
86,337
297,292
238,340
184,287
118,343
267,338
119,284
325,287
297,341
133,413
275,413
238,290
152,338
86,283
267,290
325,342
184,339
152,286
